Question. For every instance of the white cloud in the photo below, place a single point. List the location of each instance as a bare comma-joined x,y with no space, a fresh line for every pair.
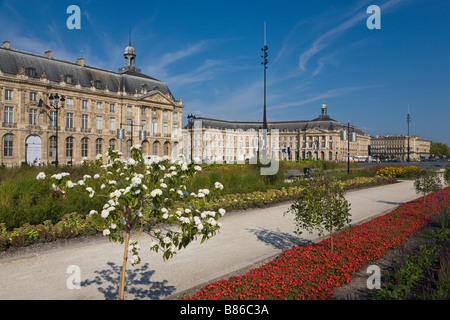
358,15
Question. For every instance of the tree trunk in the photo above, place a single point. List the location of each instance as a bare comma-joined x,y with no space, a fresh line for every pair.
124,267
331,239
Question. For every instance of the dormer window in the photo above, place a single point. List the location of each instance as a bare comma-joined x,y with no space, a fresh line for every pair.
97,84
68,78
31,72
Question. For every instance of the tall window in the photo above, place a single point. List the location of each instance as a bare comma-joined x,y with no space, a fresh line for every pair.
33,116
69,120
129,110
53,118
166,148
155,148
99,123
112,107
128,148
164,114
112,124
52,147
8,145
84,147
84,105
143,111
165,129
154,126
8,115
69,103
112,144
143,125
129,125
98,146
33,96
175,131
8,94
175,116
69,147
84,121
99,106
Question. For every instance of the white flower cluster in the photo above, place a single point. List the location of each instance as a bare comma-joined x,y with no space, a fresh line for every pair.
202,223
41,176
59,176
127,182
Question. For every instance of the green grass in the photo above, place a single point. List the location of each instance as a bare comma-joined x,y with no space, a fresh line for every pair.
23,199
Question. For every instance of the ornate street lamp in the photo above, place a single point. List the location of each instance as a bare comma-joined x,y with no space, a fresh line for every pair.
191,118
54,103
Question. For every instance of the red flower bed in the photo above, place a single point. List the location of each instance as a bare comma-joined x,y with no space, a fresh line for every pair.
313,271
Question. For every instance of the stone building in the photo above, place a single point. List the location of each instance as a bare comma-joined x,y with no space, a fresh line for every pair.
97,103
324,138
392,147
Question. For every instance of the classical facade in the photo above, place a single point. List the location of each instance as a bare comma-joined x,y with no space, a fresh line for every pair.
213,140
396,147
102,109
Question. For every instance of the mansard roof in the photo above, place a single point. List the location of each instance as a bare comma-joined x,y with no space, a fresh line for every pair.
321,123
11,61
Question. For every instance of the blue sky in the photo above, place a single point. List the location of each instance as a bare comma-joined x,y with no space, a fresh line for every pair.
208,52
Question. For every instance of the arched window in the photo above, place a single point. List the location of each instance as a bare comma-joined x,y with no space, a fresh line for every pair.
128,148
69,147
52,146
112,144
98,146
84,147
8,145
155,148
166,148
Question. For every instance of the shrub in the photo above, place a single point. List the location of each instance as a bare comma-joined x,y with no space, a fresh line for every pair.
400,172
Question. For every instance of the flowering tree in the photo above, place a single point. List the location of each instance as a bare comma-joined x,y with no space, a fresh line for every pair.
142,193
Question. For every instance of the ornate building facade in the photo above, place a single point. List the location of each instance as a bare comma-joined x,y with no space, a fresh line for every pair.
213,140
102,109
396,147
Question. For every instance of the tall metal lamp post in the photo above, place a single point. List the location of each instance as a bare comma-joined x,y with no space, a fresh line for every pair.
54,103
191,128
264,63
350,136
408,120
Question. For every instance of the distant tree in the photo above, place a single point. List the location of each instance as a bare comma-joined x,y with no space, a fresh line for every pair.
426,182
447,175
439,149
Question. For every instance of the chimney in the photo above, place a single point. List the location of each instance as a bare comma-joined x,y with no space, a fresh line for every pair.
6,44
48,54
80,61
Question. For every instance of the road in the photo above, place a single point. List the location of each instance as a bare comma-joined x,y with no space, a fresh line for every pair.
246,238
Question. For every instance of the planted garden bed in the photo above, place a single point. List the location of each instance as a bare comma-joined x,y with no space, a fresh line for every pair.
314,272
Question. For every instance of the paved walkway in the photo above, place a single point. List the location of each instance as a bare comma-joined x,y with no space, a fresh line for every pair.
247,237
